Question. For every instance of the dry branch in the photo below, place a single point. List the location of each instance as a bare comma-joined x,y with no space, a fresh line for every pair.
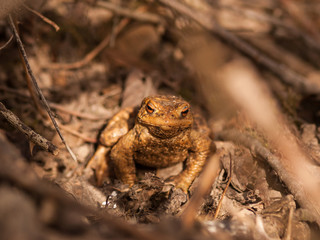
145,17
299,16
206,180
30,134
287,75
77,134
45,19
32,92
79,114
250,14
139,13
7,43
91,55
225,190
35,84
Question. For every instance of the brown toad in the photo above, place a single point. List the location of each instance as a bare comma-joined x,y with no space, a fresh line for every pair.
165,133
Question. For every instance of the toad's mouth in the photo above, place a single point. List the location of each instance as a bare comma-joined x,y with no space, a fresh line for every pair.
167,124
166,129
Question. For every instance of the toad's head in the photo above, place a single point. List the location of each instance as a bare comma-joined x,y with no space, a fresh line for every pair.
165,116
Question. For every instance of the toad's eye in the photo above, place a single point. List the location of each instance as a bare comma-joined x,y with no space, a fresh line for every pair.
150,108
185,111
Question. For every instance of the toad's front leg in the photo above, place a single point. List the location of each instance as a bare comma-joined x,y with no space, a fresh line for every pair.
202,147
122,159
116,128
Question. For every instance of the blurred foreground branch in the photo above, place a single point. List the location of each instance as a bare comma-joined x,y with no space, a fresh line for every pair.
287,75
206,180
15,170
245,87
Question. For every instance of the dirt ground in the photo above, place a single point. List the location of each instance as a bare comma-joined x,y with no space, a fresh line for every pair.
250,68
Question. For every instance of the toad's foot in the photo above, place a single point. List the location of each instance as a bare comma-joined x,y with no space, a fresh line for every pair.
179,181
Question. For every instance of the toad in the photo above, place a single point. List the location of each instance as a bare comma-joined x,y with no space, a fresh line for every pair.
165,132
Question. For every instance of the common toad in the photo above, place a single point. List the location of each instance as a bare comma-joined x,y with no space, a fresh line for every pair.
165,132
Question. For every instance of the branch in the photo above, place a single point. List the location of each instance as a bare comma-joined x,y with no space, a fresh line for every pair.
30,134
45,19
134,14
35,84
287,75
91,55
7,43
206,180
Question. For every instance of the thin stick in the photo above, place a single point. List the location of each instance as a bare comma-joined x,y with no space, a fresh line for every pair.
301,18
14,91
30,134
205,183
306,38
288,232
287,75
59,107
91,55
145,17
77,134
34,81
7,43
32,92
225,190
45,19
79,114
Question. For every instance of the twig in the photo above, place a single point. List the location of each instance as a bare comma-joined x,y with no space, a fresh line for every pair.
33,95
79,114
145,17
301,18
7,43
77,134
288,233
205,182
32,92
34,81
14,91
288,76
91,55
225,190
45,19
59,107
306,38
30,134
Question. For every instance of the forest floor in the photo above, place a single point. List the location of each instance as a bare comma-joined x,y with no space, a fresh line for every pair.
250,68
